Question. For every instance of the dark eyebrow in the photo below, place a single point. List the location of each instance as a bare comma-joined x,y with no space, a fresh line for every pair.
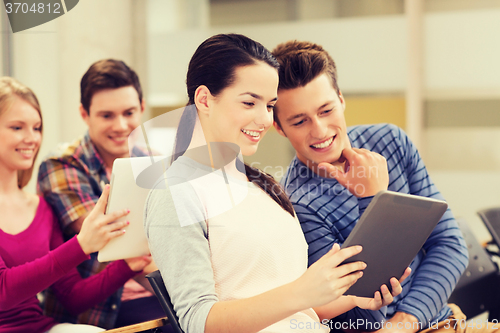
260,98
322,106
104,111
303,114
295,117
252,94
109,111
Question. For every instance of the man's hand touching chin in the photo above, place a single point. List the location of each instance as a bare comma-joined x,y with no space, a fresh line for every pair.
365,172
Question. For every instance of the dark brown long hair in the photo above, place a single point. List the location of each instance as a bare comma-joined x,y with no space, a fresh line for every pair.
213,65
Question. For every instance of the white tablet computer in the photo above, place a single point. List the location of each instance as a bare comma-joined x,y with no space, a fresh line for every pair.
392,230
126,194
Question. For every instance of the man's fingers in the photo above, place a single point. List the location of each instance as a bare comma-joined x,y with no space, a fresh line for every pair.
331,170
342,179
396,287
327,167
405,274
349,153
367,154
335,173
361,150
386,294
377,298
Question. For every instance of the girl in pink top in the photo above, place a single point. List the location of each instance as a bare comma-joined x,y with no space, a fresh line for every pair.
33,255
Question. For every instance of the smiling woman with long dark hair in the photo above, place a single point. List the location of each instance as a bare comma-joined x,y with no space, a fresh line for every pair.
224,235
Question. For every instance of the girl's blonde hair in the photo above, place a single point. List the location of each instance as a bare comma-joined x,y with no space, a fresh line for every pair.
9,90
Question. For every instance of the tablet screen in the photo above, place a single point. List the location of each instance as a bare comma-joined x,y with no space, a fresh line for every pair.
392,231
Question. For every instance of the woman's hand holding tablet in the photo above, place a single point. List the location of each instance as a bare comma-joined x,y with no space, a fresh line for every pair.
332,280
326,279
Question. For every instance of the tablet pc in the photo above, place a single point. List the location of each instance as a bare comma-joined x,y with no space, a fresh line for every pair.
126,194
392,230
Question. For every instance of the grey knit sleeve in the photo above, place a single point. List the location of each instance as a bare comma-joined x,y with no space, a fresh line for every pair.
182,253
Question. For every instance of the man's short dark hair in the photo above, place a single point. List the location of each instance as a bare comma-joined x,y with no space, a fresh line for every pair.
302,62
107,74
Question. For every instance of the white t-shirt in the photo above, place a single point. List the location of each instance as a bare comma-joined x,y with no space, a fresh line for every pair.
215,238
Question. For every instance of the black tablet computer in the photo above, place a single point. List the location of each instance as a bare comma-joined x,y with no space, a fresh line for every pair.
392,230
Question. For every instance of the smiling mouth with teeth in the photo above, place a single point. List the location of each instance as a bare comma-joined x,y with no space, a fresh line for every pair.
323,144
25,151
255,134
